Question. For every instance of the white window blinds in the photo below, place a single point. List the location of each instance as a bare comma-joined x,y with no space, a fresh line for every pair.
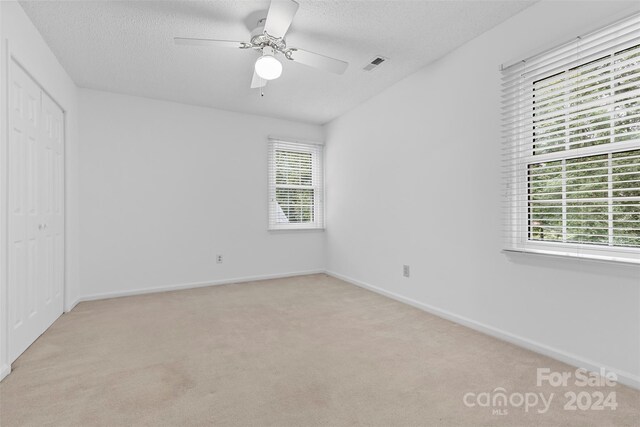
296,185
571,135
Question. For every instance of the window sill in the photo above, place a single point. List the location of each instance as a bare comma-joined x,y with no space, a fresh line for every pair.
581,256
295,229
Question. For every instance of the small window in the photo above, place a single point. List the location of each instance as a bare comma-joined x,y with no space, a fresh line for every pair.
295,185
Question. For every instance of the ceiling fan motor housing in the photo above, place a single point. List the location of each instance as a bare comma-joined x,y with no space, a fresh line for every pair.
260,39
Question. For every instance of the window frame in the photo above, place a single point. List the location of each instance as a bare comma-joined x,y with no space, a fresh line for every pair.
316,150
519,189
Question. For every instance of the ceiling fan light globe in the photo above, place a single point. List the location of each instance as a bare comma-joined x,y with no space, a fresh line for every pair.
268,67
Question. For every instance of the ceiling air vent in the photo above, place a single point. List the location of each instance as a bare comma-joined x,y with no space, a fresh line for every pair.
375,63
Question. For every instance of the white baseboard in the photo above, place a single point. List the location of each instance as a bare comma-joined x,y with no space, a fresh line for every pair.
192,285
626,378
71,306
4,371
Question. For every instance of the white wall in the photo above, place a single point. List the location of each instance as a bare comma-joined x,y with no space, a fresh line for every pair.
413,177
27,46
165,187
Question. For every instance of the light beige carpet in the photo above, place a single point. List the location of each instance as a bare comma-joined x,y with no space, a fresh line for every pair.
302,351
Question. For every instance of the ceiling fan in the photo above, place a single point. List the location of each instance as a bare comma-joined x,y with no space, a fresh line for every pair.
269,38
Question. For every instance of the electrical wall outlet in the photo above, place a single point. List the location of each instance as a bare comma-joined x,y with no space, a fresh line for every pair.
406,271
219,259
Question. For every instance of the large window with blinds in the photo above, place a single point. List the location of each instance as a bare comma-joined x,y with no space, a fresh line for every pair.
572,147
295,185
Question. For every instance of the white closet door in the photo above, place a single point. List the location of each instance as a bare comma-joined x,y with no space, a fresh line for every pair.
35,226
51,195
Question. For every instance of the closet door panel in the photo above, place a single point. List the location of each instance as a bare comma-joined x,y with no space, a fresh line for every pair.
35,207
24,213
53,203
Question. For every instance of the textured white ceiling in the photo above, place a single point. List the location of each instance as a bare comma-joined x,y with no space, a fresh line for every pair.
127,47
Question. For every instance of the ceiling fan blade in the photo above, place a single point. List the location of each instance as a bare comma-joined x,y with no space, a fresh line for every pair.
256,81
279,17
318,61
210,42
